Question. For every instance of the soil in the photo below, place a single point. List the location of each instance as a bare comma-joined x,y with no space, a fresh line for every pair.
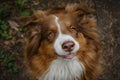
108,14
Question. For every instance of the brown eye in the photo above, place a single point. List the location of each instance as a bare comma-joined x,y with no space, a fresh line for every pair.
73,28
51,35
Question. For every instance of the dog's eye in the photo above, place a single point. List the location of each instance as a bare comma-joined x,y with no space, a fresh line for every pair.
51,35
73,29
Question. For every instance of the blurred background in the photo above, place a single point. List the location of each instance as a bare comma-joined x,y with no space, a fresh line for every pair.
12,36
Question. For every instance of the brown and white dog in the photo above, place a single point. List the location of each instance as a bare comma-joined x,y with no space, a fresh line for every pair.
62,43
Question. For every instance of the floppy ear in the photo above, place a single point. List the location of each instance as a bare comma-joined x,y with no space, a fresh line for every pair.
33,33
33,41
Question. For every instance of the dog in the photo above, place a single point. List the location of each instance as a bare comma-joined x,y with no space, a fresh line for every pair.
62,43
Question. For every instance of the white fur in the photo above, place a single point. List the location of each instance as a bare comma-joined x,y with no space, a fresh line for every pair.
64,69
61,39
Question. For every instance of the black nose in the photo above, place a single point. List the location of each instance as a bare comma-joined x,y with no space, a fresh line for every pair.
68,46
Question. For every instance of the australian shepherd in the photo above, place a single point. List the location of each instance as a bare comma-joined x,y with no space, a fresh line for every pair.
62,43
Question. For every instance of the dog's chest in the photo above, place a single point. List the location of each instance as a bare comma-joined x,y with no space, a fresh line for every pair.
64,69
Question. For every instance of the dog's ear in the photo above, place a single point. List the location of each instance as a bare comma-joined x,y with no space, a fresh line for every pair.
33,41
79,9
33,25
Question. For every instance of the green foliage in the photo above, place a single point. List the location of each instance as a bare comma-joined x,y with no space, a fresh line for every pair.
3,25
25,13
3,30
20,3
22,29
3,12
1,9
8,62
5,35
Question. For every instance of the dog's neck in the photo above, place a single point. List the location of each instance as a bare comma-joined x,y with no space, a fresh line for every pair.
64,69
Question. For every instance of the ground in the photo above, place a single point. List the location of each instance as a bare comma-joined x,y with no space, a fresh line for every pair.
12,36
108,23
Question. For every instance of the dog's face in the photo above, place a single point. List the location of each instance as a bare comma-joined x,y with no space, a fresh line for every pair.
60,36
67,33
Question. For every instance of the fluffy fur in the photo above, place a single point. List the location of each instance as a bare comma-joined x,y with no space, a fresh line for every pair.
48,30
64,69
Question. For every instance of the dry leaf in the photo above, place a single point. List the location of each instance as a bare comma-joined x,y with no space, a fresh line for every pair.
13,25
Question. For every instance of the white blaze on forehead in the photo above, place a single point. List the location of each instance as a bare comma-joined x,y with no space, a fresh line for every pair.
63,38
58,25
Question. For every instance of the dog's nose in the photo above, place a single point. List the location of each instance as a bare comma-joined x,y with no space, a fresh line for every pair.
68,46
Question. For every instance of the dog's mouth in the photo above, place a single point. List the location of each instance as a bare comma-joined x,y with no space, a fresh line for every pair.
68,56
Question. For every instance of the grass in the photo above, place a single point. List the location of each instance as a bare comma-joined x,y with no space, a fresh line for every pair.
3,13
22,29
3,30
8,63
20,3
25,13
1,9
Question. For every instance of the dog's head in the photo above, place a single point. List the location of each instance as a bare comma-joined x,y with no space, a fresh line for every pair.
64,32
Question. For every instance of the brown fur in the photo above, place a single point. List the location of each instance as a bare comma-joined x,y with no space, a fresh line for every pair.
39,50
